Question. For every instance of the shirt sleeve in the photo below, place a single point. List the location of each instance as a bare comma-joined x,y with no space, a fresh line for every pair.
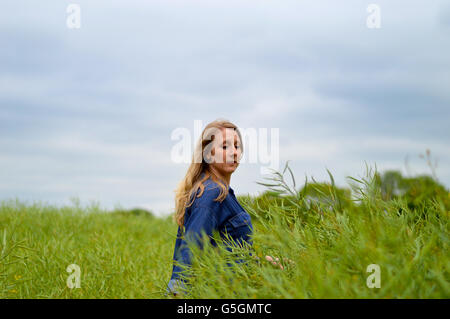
201,221
174,286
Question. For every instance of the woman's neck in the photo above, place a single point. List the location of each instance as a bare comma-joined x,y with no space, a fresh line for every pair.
225,178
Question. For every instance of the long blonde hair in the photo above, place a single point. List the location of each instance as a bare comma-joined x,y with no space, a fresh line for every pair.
193,180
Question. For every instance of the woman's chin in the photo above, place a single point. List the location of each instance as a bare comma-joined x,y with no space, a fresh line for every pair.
229,168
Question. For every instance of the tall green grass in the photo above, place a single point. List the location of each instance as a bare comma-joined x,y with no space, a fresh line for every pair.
329,234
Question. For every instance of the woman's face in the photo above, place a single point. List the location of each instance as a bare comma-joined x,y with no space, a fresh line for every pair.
226,151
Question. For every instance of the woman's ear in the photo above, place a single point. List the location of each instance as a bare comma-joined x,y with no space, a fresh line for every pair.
209,157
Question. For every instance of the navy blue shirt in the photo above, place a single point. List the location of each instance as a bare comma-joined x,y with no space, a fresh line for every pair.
206,215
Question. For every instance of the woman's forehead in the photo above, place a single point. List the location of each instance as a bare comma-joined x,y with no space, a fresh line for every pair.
228,135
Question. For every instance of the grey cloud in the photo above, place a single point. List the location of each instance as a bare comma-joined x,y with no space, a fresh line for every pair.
114,90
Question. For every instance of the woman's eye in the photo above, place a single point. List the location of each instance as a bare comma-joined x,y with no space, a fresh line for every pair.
225,147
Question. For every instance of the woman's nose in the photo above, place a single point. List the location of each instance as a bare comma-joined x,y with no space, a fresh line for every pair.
235,152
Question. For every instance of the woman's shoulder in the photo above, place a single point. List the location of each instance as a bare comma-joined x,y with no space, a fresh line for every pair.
211,192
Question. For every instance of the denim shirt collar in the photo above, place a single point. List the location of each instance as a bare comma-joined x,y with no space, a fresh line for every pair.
209,179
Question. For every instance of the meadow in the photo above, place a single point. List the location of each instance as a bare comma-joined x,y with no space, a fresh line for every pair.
386,236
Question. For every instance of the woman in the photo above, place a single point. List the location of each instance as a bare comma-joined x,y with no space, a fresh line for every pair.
214,206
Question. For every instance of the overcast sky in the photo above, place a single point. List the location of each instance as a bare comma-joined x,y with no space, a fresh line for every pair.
89,112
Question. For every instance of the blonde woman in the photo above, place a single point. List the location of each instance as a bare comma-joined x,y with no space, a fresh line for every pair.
214,206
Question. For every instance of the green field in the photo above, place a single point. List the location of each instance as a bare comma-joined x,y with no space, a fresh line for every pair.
331,234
